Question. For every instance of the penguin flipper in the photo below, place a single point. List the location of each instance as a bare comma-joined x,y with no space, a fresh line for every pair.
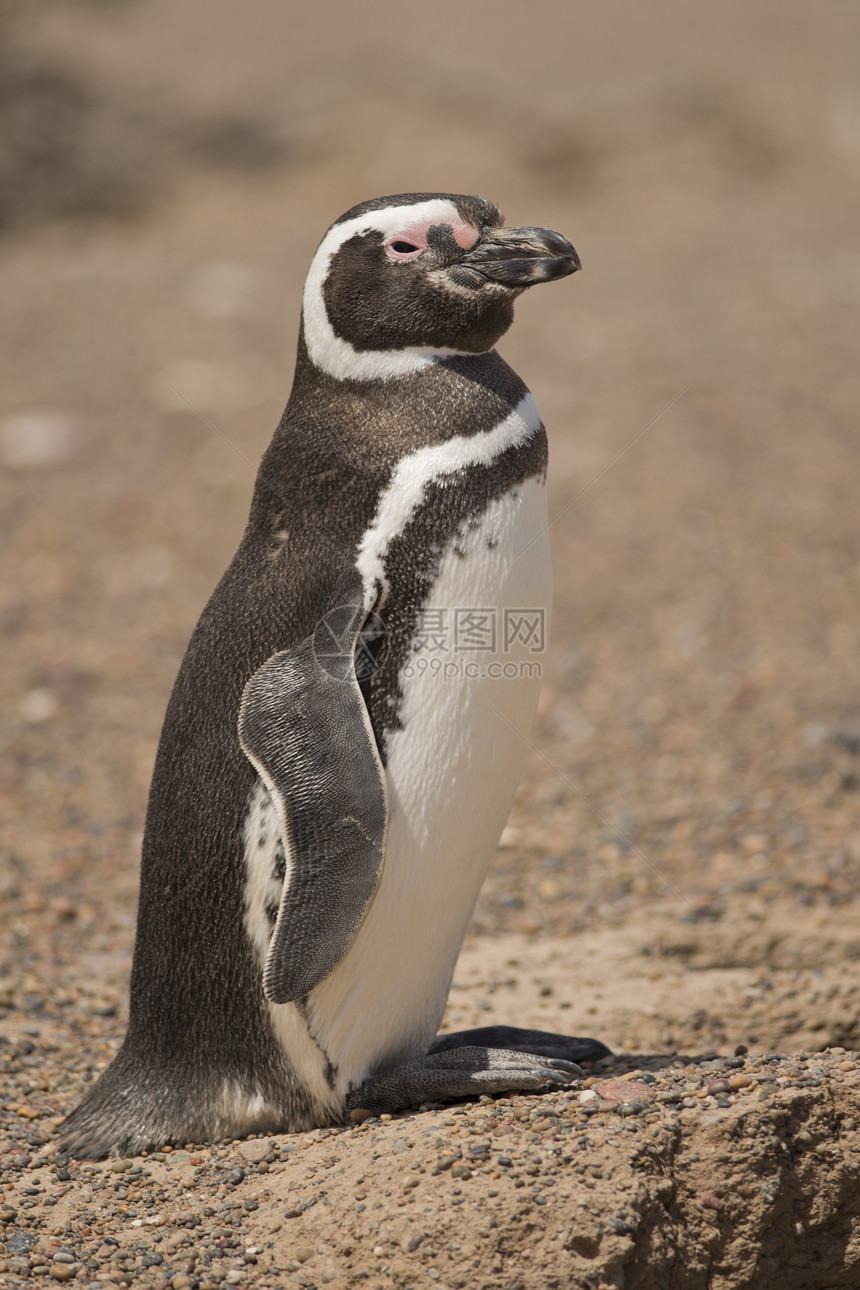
307,731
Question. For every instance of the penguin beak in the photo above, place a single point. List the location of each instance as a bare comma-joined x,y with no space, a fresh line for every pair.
521,257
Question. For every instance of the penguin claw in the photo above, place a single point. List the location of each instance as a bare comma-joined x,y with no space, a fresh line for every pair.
568,1068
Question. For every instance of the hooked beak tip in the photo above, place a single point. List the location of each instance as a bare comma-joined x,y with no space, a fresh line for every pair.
523,257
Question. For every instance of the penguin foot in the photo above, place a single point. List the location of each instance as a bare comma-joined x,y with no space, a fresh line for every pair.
461,1072
541,1043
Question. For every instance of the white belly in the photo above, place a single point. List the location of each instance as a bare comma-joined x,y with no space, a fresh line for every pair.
452,773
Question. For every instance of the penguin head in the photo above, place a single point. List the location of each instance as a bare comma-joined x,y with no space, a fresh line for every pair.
400,282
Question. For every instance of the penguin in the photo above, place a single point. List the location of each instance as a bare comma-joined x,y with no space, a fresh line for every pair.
346,732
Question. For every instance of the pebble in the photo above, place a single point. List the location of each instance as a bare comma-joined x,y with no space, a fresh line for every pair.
257,1150
445,1162
632,1108
20,1243
62,1271
621,1090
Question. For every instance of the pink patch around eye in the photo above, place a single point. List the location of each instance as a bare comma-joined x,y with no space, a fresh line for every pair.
465,235
412,240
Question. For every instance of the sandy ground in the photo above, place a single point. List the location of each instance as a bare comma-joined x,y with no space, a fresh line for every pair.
680,872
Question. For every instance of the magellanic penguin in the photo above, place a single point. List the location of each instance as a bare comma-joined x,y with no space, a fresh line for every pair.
345,735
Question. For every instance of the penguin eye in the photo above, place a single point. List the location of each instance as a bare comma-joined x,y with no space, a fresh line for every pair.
401,248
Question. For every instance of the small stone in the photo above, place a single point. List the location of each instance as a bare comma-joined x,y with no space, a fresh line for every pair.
257,1150
182,1282
20,1243
588,1095
461,1171
739,1081
621,1090
251,1204
304,1254
848,1066
359,1114
62,1271
7,1215
292,1213
414,1241
118,1166
717,1086
710,1201
445,1162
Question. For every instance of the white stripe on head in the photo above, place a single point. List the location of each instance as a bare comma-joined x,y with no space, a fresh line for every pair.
337,357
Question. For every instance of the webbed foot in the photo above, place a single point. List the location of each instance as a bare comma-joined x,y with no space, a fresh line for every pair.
541,1043
460,1072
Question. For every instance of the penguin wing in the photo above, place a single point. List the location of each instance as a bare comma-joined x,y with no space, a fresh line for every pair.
306,729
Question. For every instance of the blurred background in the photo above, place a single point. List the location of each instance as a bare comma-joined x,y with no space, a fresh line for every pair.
167,168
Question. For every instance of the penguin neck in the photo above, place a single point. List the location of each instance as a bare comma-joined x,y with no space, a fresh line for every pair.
342,439
442,377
